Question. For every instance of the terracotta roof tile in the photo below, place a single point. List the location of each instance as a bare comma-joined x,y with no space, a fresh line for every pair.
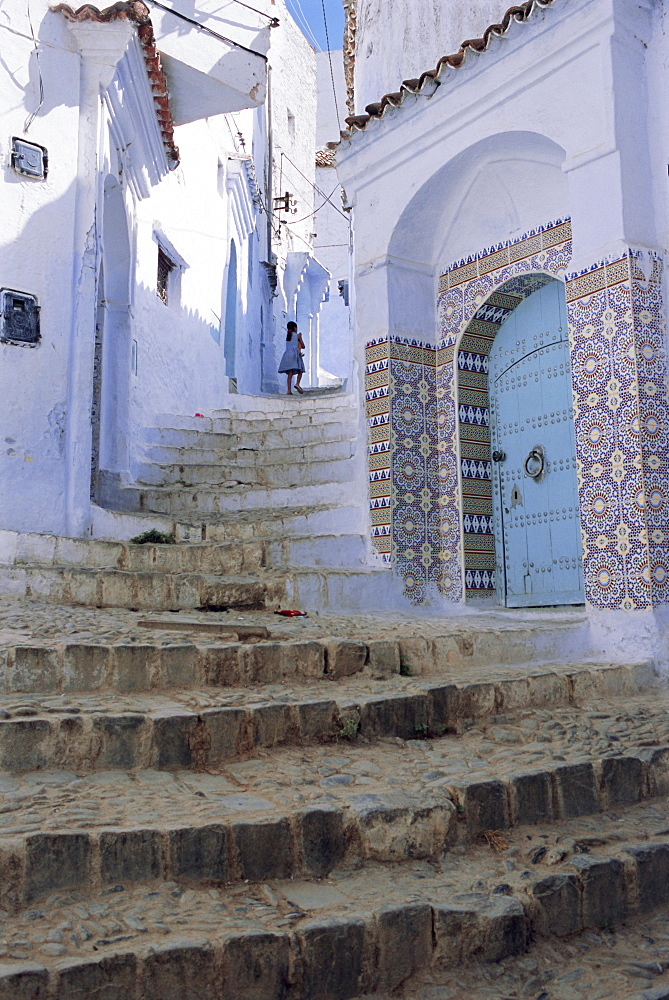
520,12
138,13
325,158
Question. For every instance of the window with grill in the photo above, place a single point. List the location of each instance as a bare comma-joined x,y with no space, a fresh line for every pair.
165,269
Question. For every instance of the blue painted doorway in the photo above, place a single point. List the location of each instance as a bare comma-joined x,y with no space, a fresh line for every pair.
534,486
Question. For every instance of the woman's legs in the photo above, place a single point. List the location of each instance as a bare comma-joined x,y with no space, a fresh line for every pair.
289,377
297,382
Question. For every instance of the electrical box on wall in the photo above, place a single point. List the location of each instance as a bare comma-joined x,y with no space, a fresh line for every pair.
29,159
19,318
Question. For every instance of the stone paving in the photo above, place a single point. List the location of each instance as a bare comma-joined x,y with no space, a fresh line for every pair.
617,964
407,809
29,621
290,777
122,915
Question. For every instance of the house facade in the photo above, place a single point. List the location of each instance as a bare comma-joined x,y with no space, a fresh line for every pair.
510,219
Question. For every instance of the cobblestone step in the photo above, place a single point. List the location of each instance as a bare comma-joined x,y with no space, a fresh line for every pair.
201,729
157,661
367,931
384,801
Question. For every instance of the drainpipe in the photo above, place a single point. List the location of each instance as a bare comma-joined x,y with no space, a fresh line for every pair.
270,165
100,48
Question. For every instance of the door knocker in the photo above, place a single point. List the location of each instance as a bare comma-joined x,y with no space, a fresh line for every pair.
535,462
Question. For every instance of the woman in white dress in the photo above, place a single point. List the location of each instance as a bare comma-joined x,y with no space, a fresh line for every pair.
292,363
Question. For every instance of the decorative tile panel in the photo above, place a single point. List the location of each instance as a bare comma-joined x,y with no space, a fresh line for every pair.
622,429
377,408
428,417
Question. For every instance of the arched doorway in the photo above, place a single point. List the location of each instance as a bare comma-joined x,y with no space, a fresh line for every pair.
518,453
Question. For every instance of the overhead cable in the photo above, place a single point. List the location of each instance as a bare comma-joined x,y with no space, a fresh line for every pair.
306,27
205,28
274,21
315,211
327,42
315,187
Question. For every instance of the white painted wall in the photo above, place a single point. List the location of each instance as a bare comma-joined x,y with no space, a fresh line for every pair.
331,224
33,382
398,41
217,194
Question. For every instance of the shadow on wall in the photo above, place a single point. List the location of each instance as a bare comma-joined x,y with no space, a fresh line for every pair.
492,191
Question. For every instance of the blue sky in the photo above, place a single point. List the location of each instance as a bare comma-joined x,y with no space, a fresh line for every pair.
311,11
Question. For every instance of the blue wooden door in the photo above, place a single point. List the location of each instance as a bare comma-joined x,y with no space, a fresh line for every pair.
535,499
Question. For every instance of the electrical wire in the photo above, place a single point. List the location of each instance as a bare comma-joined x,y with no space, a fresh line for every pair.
31,117
306,27
327,42
315,187
274,20
205,28
316,210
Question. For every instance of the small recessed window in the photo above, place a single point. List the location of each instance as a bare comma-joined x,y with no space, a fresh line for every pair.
165,269
291,124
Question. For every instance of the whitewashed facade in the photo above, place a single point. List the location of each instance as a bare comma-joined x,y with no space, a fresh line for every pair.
162,264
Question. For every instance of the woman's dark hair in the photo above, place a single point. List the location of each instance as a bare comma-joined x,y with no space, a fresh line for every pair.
291,328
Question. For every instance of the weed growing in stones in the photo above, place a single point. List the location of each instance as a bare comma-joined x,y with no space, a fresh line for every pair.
153,537
349,730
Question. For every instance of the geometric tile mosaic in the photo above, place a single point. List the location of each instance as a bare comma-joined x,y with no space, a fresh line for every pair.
428,426
622,428
377,406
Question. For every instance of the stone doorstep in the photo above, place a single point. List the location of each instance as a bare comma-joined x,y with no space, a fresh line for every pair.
173,737
386,826
343,955
125,666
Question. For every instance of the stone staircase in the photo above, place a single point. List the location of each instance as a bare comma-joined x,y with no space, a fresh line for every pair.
266,507
213,808
293,452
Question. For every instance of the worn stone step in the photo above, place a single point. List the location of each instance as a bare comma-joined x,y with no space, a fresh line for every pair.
315,589
249,453
317,520
183,503
232,557
299,649
259,423
264,437
363,932
64,830
150,590
205,729
293,472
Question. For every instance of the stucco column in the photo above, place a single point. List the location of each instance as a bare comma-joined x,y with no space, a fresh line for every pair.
100,47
